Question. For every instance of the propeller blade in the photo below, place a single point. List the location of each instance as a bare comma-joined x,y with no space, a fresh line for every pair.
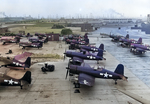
65,54
67,73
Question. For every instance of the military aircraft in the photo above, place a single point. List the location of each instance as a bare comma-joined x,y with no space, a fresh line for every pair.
37,39
27,43
21,61
115,38
139,48
10,39
87,75
14,77
92,48
78,56
127,42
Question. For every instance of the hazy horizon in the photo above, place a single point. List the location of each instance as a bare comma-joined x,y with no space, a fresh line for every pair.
75,8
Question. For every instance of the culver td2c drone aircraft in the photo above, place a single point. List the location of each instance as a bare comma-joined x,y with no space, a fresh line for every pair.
87,74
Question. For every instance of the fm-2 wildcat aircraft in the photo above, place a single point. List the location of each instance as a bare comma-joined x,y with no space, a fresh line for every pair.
127,42
26,43
10,39
87,75
14,77
78,56
21,61
139,48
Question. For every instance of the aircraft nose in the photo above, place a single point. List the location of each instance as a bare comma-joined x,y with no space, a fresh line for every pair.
73,68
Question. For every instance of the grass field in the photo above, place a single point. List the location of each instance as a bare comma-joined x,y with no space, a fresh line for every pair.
43,28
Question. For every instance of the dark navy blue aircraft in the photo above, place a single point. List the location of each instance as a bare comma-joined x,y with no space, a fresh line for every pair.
87,74
78,56
92,48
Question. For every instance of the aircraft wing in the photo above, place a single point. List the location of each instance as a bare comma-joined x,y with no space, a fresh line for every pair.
140,49
83,49
77,59
86,79
85,65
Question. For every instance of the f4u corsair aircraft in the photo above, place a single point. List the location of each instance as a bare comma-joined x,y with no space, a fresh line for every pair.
127,42
78,56
87,74
92,48
139,48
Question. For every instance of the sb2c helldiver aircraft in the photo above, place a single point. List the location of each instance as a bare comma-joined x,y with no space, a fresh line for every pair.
27,43
87,75
7,79
21,61
10,39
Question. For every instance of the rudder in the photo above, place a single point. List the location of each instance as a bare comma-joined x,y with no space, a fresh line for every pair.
101,46
120,69
27,77
28,62
140,41
100,53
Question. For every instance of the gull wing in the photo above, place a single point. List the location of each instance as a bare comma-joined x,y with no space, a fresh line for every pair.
86,79
77,59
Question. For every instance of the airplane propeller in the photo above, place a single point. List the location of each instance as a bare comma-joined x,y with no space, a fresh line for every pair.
65,55
68,70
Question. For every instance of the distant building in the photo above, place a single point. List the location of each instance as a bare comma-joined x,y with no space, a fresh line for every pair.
53,37
3,30
86,27
148,18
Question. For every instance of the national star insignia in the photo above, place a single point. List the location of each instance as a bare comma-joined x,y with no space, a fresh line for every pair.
85,82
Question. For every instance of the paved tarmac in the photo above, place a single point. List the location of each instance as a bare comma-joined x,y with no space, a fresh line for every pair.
52,88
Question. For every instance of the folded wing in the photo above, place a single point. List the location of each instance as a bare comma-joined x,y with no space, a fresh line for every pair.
86,79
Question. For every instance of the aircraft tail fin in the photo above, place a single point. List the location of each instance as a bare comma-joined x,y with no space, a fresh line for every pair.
27,77
127,36
101,46
100,53
28,62
41,44
139,41
120,69
87,41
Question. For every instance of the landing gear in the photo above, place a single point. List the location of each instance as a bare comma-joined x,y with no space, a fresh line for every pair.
21,86
76,85
115,81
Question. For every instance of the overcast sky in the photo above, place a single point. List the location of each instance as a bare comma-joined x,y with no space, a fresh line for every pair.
76,8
